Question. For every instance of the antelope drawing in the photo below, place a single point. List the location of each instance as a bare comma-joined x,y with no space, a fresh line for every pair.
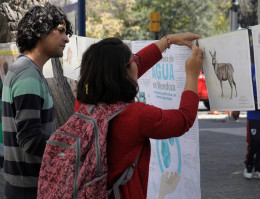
224,71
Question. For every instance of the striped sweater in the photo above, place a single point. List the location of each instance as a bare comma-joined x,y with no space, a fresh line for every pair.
27,122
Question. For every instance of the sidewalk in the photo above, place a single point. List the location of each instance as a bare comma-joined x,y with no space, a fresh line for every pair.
222,154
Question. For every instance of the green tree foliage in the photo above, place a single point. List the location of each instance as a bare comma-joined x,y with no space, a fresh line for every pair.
136,25
203,17
105,18
129,19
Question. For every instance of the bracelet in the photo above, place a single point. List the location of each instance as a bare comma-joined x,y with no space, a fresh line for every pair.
168,43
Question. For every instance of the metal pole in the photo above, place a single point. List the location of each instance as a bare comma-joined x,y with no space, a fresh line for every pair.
156,35
82,18
233,15
258,11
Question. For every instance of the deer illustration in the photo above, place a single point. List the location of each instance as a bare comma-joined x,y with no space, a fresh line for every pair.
224,71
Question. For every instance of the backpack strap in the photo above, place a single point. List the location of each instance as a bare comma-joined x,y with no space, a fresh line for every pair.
115,114
96,133
124,178
91,110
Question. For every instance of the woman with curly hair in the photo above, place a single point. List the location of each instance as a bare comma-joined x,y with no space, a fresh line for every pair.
27,104
108,74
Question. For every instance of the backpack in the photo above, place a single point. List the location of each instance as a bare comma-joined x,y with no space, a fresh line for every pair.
74,163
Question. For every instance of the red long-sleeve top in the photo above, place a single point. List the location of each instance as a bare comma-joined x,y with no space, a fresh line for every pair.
129,132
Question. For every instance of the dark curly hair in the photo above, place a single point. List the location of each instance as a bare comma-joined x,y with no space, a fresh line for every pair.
103,69
38,22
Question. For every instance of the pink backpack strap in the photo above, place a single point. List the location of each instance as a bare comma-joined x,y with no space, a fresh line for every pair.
128,173
90,119
91,110
97,147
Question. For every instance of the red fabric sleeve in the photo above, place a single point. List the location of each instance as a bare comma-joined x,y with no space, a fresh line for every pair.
163,124
77,104
150,55
129,133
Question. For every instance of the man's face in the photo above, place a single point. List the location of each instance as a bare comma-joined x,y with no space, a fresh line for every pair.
54,43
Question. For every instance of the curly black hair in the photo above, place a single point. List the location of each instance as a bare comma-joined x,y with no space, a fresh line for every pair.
38,22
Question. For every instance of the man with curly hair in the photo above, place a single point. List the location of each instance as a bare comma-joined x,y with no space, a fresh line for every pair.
27,104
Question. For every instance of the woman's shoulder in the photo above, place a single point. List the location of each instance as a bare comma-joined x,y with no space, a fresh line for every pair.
141,108
137,105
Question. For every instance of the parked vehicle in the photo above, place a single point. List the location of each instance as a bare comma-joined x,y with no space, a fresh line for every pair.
202,90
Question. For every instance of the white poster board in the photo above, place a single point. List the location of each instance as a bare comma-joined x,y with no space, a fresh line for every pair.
70,59
47,69
227,61
256,49
8,54
73,54
83,43
174,170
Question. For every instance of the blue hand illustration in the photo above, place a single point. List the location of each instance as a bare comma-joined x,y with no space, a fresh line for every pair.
166,155
171,141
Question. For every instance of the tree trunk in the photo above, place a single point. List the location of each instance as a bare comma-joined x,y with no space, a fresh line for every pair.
63,97
11,11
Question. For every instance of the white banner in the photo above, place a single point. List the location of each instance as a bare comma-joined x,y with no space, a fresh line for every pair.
70,59
8,54
227,68
175,163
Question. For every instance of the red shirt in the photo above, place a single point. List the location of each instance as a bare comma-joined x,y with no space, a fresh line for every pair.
130,131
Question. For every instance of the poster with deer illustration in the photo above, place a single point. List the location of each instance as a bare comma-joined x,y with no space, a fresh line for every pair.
227,69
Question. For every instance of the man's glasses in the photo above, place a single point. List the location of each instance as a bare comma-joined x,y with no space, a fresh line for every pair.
136,59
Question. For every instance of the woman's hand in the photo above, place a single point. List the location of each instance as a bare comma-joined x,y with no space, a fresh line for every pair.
193,67
193,64
182,39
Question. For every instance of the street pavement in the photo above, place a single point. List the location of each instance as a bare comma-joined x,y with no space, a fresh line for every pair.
222,153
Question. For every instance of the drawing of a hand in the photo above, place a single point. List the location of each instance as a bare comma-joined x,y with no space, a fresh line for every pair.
69,56
168,184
